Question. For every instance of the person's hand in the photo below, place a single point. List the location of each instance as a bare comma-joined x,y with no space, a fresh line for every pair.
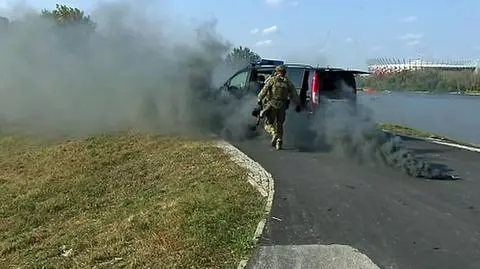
298,109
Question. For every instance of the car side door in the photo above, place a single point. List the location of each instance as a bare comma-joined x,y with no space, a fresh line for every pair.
299,78
236,85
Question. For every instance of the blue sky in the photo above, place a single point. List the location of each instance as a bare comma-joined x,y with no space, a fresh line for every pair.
334,32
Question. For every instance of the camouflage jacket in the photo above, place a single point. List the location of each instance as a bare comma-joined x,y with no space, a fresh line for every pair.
277,91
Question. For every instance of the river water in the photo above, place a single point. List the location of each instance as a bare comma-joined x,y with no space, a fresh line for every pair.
454,116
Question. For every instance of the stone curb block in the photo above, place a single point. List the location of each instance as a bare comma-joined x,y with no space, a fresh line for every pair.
259,178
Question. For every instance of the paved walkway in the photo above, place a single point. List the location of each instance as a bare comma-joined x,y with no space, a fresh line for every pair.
395,220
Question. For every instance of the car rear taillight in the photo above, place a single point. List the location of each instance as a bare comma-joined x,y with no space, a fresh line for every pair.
315,90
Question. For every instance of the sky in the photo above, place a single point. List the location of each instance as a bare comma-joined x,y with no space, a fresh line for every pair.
340,33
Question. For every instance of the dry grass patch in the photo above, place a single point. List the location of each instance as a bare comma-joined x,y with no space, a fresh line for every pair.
403,130
407,131
123,201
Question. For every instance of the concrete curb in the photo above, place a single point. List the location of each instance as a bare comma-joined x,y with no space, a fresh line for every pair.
455,145
259,178
439,141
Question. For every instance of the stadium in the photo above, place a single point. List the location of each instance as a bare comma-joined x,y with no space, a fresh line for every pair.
388,65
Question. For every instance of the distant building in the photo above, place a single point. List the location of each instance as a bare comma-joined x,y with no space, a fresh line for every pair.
389,65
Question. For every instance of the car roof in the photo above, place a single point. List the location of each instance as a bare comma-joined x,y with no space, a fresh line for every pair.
264,63
309,67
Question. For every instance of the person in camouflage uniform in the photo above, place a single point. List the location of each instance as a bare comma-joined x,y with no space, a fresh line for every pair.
274,98
268,123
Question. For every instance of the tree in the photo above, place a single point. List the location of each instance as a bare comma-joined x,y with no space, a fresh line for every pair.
4,21
71,26
64,15
241,56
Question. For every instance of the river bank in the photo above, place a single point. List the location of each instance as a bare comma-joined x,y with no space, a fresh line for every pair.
447,115
407,131
373,91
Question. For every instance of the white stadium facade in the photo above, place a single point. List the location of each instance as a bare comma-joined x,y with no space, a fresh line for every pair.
380,66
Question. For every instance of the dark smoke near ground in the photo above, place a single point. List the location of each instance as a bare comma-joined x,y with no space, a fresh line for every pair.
351,132
131,73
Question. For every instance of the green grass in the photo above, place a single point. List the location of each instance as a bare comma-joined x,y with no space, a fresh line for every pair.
472,92
403,130
123,201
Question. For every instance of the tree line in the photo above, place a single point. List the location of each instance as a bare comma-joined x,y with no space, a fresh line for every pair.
424,80
62,15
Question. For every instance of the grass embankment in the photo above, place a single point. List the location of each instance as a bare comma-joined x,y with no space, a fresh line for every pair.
132,201
476,93
403,130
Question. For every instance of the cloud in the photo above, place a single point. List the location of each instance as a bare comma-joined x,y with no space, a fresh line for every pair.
476,47
409,19
410,36
274,2
349,40
281,2
413,43
270,30
263,43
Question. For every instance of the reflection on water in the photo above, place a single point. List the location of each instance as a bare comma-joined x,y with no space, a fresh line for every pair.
455,116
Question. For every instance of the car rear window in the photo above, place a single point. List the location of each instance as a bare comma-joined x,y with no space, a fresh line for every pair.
332,80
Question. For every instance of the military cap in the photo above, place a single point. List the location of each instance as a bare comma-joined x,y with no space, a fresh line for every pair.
280,68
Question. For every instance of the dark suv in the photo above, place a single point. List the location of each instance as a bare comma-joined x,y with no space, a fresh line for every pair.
314,84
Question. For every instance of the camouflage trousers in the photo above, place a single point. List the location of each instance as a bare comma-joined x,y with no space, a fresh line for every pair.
268,127
274,120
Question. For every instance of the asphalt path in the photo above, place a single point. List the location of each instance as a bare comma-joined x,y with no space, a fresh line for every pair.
396,220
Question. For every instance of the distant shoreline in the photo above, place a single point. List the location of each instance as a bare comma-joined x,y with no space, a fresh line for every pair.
470,93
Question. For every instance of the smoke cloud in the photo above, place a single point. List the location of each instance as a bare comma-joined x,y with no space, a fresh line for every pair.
132,72
351,132
155,75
